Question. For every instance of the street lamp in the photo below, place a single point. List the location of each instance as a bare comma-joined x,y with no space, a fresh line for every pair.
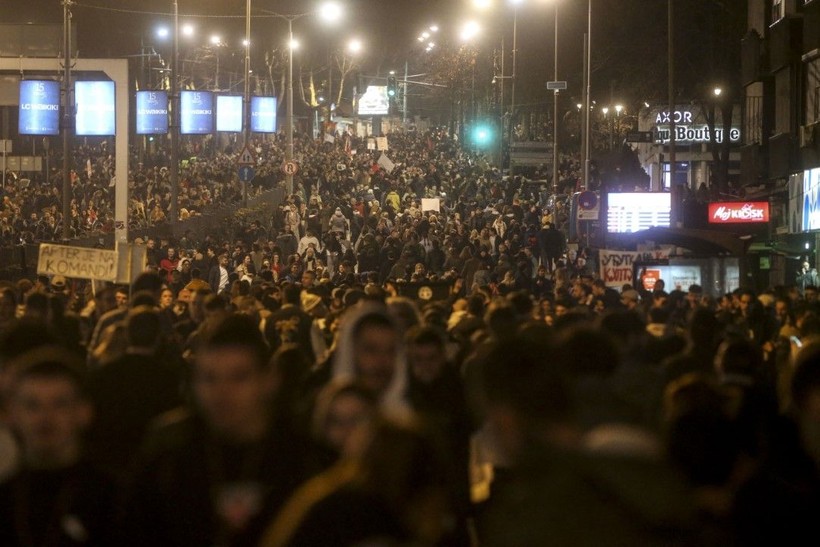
330,12
354,46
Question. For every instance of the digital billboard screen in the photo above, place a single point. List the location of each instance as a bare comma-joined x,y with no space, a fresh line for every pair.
39,107
95,107
375,101
635,211
229,113
152,112
263,114
196,112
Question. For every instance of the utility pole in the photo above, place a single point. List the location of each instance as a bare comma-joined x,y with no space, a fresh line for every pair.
67,111
175,120
676,191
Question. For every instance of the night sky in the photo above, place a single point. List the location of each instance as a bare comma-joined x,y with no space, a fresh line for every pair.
629,36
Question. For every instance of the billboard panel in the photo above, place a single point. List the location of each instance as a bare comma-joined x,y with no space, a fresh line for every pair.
196,112
229,113
634,211
375,101
263,114
737,212
95,107
811,200
152,112
39,107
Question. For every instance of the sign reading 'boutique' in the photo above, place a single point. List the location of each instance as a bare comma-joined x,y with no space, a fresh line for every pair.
735,212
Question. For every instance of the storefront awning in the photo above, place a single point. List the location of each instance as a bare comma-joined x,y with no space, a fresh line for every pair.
700,242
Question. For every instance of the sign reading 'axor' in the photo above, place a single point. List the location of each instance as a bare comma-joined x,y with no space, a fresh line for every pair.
738,212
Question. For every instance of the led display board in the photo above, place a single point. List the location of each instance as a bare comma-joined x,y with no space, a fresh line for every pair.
39,107
629,212
152,112
95,107
196,112
375,101
263,114
229,113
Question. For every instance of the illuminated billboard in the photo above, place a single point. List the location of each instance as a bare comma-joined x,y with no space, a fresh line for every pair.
810,217
39,107
736,212
263,114
152,112
635,211
95,107
375,101
196,112
229,113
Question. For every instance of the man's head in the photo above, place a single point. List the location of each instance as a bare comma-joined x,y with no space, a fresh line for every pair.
47,407
233,385
426,354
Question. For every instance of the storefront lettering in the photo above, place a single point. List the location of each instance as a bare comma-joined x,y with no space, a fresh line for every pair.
720,213
695,134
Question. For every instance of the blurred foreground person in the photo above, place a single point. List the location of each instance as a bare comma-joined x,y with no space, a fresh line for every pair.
211,477
558,493
393,493
56,497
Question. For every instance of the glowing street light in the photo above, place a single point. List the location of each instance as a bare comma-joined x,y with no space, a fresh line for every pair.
163,32
354,46
619,108
188,30
470,30
330,12
215,39
717,91
293,43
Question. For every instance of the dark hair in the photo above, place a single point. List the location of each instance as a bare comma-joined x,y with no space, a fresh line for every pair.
50,362
238,330
143,327
425,336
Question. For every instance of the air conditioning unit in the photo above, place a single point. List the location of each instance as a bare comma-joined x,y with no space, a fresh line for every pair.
807,135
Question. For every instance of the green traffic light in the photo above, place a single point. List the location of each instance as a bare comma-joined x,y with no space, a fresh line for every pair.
482,135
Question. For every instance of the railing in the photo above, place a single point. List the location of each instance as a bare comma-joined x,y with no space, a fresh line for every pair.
20,261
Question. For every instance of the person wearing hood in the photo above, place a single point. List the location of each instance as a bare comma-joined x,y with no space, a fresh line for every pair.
371,353
339,223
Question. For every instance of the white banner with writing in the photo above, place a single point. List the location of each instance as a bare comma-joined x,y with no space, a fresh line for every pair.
616,266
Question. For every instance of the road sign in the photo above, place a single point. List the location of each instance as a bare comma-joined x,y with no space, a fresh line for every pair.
246,173
557,85
639,136
589,206
290,167
246,157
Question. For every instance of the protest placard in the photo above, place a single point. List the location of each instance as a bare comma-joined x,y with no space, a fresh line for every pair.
77,262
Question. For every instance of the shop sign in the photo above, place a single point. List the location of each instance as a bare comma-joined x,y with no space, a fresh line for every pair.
737,212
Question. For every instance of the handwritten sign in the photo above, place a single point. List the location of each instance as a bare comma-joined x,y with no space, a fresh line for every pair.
77,262
616,266
431,204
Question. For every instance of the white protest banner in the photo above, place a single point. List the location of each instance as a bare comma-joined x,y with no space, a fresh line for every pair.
329,138
430,204
371,144
77,262
381,143
616,266
385,163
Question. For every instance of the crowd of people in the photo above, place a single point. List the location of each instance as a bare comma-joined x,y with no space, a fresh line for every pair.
294,385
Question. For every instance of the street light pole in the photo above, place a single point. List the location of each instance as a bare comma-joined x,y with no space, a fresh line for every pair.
587,87
246,112
289,114
67,109
555,107
175,120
